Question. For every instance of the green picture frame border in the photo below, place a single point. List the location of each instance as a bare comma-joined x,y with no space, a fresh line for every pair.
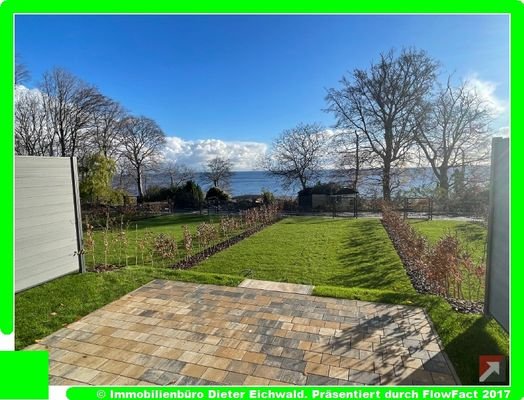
15,365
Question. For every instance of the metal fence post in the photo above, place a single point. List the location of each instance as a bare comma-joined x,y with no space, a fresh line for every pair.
78,216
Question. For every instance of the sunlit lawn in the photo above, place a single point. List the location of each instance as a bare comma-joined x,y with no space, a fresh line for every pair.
319,251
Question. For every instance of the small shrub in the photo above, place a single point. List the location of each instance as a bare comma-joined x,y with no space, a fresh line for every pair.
268,197
165,247
217,193
440,269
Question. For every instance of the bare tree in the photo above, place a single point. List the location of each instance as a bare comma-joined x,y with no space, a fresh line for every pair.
69,104
298,154
105,132
22,74
32,136
351,155
457,134
143,142
177,174
388,104
218,172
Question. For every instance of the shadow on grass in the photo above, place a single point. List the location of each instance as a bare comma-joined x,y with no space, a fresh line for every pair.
473,342
370,261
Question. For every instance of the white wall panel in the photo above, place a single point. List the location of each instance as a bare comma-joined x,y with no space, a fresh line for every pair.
46,242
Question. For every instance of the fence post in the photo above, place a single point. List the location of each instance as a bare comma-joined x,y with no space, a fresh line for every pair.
405,207
78,216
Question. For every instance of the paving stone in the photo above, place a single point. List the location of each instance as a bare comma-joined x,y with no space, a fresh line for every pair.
317,380
103,378
293,364
189,334
234,378
264,371
214,375
293,377
255,381
339,373
296,354
366,378
133,371
193,370
233,354
329,359
242,367
188,381
272,350
273,361
81,374
436,366
316,369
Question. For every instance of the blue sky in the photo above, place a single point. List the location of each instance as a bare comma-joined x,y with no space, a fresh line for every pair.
231,84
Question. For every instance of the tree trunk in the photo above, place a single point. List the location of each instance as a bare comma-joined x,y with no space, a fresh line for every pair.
303,183
386,181
139,185
357,163
443,181
386,171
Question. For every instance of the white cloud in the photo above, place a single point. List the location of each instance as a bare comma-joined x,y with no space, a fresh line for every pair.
486,91
503,131
196,153
22,91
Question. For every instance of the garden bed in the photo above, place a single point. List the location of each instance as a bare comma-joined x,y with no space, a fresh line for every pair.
439,268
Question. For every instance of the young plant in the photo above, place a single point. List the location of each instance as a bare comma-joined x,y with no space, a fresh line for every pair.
164,246
188,242
89,243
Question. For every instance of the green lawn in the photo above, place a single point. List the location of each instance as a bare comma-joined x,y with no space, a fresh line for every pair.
142,231
471,234
319,251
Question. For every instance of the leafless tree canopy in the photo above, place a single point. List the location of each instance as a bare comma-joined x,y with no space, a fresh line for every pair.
105,133
298,155
457,133
22,74
69,104
351,154
178,174
388,103
143,142
218,172
32,135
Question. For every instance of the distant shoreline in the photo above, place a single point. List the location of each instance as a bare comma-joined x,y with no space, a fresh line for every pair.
245,183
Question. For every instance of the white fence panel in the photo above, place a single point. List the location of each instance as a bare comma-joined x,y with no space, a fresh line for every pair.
497,276
48,229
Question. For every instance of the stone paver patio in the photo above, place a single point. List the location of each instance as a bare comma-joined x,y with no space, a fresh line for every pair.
167,333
